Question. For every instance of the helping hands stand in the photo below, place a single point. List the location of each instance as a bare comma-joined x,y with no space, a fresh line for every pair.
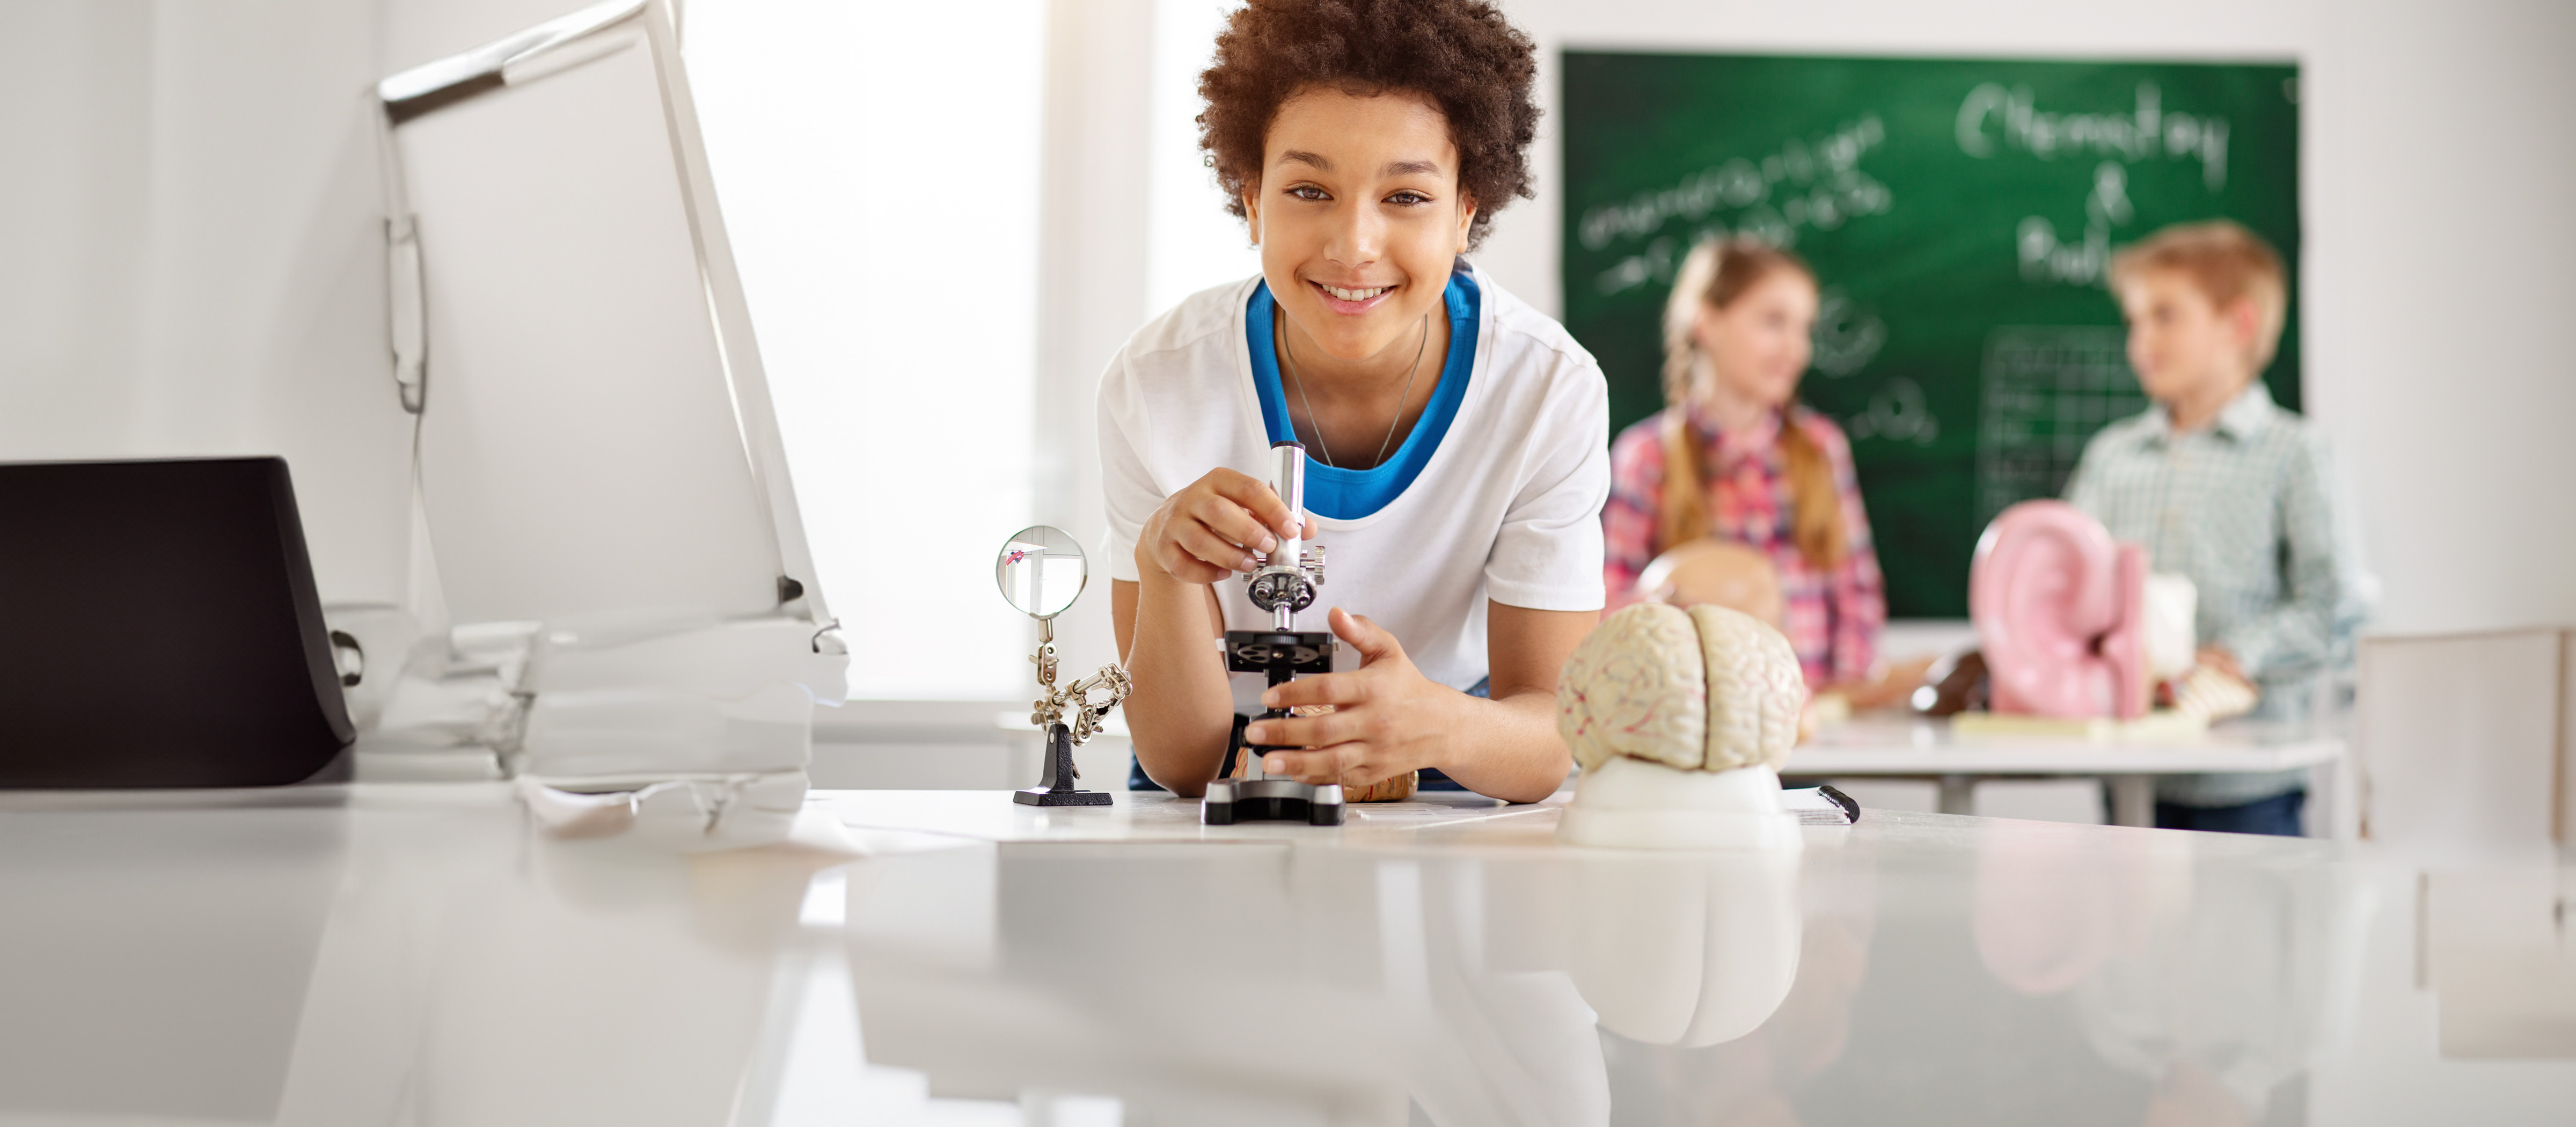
1055,785
1283,584
1041,571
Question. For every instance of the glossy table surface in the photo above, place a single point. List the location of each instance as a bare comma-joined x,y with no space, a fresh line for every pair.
1880,745
418,954
1888,742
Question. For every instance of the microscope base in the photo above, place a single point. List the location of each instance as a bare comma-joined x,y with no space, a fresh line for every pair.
1041,796
1229,801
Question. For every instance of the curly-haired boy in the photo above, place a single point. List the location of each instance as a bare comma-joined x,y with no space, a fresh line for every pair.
1457,437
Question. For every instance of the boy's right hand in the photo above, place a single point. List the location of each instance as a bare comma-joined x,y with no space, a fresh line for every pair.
1210,529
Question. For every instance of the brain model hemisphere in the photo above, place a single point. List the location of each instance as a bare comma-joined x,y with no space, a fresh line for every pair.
1705,689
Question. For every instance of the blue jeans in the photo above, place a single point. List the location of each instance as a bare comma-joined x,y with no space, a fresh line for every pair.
2277,815
1430,779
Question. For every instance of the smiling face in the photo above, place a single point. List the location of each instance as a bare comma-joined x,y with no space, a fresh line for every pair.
1358,216
2185,347
1758,345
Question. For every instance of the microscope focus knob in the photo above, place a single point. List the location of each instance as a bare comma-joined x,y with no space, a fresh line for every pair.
1277,587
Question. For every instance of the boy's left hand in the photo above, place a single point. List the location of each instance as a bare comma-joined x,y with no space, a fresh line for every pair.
1387,719
2217,657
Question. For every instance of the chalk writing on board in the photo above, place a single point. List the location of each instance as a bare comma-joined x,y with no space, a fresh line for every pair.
1896,413
1992,116
1847,334
2045,257
1812,183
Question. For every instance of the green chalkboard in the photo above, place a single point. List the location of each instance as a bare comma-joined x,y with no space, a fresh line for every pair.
1959,214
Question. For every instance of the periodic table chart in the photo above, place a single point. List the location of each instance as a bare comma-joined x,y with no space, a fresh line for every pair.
2046,390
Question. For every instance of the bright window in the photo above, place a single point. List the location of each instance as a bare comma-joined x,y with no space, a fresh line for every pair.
1191,242
876,163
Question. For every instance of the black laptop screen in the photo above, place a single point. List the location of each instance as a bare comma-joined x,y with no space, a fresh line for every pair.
159,627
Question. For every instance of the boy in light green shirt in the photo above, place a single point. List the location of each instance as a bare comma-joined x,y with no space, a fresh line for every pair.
2224,486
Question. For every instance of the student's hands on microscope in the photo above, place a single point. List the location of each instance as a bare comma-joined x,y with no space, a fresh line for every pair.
1208,531
1387,717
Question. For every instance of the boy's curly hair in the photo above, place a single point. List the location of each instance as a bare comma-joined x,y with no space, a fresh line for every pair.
1460,54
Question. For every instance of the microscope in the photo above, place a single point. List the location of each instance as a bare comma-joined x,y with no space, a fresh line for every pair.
1282,583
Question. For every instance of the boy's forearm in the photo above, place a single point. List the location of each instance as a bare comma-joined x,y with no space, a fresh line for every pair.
2298,631
1509,748
2291,636
1181,712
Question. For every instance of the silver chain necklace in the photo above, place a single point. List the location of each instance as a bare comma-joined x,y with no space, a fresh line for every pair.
1278,321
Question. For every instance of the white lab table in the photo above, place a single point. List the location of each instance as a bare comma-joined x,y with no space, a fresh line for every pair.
1877,745
418,953
1885,745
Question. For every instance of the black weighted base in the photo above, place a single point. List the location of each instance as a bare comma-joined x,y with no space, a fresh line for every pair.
1269,810
1055,781
1231,801
1041,796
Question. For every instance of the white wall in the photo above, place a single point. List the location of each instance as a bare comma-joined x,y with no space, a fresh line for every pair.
1131,222
1192,242
2436,176
1093,202
878,200
2440,212
192,230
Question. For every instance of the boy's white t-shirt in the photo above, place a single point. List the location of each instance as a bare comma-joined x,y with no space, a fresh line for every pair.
1508,507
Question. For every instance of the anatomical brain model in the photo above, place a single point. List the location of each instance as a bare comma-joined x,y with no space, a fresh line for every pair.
1700,689
1680,720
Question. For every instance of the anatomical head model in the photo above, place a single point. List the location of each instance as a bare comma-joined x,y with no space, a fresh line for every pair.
1720,572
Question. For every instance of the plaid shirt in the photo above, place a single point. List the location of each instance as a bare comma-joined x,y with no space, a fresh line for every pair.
1832,617
2247,508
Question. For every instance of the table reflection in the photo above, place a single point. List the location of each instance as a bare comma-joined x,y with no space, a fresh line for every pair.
1325,985
420,957
145,973
2498,950
1756,1079
2217,983
424,955
2016,972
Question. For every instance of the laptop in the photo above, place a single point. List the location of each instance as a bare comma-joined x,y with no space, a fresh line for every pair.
159,628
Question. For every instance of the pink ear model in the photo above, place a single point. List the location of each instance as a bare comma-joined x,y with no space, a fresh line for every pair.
2060,608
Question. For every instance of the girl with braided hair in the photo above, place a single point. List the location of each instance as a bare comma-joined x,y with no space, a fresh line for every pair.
1733,455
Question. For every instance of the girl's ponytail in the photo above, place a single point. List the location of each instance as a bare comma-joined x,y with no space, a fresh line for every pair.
1815,503
1683,515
